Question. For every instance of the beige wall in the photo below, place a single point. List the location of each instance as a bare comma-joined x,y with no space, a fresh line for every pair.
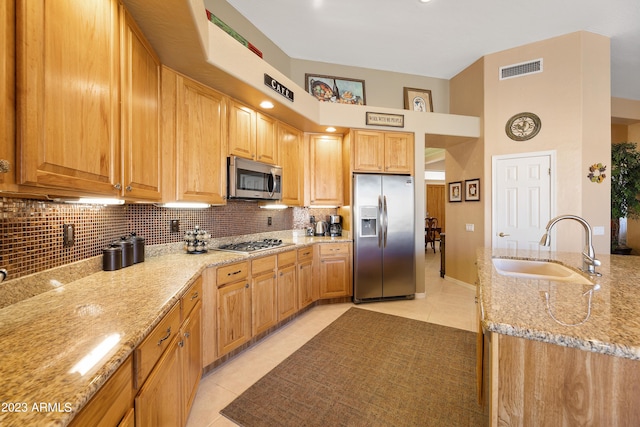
572,98
466,161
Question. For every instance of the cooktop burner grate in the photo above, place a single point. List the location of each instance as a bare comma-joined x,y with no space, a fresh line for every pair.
252,246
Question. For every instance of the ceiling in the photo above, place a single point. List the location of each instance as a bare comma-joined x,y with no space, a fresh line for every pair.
441,38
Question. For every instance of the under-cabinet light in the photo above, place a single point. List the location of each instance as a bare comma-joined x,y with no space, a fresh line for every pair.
93,201
273,206
184,205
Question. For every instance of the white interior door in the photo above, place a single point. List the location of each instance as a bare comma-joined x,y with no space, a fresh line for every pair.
522,200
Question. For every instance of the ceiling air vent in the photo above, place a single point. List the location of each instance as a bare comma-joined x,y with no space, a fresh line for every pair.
521,69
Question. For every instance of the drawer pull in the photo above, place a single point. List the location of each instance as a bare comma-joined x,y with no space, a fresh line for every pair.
194,296
234,273
181,344
166,337
187,334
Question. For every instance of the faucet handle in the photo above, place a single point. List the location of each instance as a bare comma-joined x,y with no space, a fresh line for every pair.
596,262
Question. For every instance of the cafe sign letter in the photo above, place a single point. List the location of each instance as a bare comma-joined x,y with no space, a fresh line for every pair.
383,119
278,87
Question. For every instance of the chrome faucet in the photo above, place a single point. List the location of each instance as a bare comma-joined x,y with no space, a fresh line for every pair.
589,260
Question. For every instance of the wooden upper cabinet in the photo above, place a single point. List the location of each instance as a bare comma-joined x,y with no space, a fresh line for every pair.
140,94
266,139
68,127
383,152
242,131
7,93
368,151
292,162
252,135
325,170
194,140
398,152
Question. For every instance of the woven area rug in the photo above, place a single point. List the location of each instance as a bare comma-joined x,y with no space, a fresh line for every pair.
369,369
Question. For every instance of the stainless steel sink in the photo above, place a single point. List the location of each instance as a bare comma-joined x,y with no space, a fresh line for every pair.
538,270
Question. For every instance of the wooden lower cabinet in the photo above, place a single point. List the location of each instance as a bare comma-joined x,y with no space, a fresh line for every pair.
191,336
234,316
159,402
287,292
335,270
306,294
113,402
263,294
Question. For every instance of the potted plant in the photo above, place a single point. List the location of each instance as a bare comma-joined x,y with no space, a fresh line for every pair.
625,188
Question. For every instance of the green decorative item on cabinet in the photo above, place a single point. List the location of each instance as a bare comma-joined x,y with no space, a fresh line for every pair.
625,188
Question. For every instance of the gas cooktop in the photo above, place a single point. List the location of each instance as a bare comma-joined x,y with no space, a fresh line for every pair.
253,246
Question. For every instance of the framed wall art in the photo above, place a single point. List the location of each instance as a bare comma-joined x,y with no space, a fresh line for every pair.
455,191
339,90
472,190
418,99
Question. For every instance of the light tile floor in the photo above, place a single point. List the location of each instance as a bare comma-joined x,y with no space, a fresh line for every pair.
446,303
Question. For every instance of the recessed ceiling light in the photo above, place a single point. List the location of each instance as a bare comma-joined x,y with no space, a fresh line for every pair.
425,1
267,105
331,129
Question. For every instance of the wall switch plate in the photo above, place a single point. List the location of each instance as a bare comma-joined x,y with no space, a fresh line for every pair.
469,227
175,225
269,221
68,235
598,230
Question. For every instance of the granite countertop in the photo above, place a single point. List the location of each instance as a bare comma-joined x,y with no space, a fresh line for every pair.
606,320
43,337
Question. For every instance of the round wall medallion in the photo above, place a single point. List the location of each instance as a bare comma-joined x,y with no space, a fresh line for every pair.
523,126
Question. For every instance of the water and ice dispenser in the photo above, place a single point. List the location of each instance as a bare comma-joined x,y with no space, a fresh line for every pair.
368,226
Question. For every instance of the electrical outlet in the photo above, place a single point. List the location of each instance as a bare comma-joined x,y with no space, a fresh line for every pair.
598,230
175,225
68,235
469,227
269,221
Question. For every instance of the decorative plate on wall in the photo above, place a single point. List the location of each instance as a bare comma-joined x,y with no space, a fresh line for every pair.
523,126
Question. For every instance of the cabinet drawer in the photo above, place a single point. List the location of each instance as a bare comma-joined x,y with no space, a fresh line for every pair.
191,297
232,272
286,258
334,249
261,265
111,402
150,350
305,254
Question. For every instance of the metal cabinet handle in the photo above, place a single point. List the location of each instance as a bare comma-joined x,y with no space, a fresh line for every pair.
234,273
166,337
118,186
181,344
247,286
187,334
129,188
194,296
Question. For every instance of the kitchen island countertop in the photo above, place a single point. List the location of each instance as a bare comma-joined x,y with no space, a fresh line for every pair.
606,320
45,336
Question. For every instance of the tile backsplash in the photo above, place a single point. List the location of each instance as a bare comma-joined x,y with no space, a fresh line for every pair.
31,231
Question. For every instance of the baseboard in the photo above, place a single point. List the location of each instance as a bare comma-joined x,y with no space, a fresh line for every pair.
460,282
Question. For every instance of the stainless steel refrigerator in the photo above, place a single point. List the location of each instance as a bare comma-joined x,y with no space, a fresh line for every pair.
383,233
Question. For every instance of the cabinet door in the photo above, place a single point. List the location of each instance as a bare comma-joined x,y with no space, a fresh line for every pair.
140,112
305,284
292,162
209,314
201,163
242,131
398,152
368,151
263,303
7,93
191,338
335,275
234,316
325,174
287,292
266,139
67,95
160,401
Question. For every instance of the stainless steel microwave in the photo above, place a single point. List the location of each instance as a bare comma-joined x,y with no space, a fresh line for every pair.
253,180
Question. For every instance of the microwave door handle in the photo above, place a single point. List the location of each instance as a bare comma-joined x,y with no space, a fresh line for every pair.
272,187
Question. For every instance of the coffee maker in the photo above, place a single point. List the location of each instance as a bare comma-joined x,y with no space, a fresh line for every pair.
335,225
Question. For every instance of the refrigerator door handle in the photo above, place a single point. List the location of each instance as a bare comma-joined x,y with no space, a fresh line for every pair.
380,217
386,221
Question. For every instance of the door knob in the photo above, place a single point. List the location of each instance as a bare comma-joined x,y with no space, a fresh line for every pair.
503,235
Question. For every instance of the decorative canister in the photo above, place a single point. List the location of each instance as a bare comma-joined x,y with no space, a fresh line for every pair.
112,258
196,241
138,247
127,251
